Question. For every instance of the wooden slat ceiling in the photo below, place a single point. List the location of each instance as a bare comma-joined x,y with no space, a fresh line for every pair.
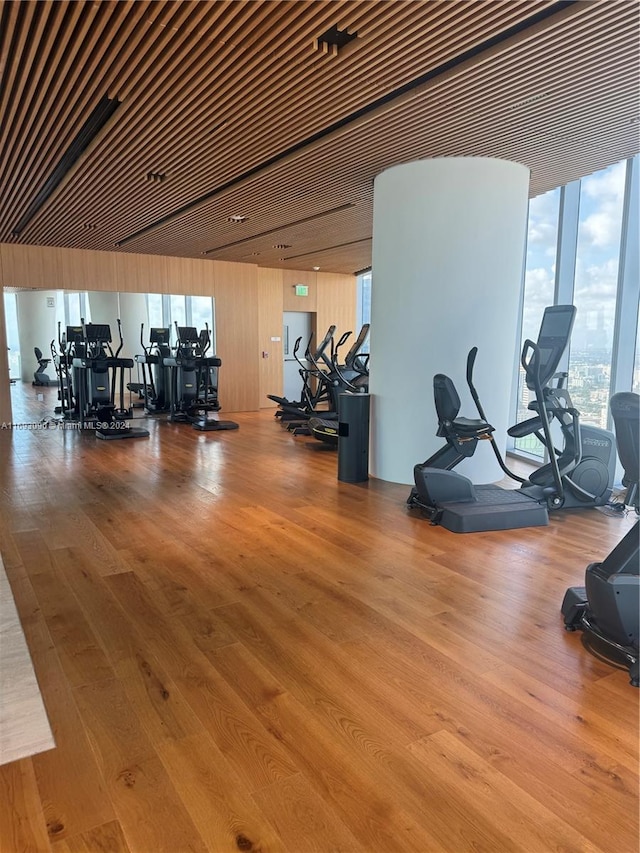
231,102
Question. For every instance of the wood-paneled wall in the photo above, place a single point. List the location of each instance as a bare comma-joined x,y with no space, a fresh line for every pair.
337,303
249,305
270,309
291,302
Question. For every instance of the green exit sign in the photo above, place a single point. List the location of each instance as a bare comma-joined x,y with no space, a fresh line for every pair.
302,289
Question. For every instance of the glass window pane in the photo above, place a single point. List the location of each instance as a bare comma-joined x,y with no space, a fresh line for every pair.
202,315
539,288
154,310
599,229
178,310
636,362
364,303
72,308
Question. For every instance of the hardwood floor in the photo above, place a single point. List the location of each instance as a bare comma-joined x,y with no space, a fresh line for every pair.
239,653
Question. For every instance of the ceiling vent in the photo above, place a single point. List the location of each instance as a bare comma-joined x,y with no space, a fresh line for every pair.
282,246
333,40
89,131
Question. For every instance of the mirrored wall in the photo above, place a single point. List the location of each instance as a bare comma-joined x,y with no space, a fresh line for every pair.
35,318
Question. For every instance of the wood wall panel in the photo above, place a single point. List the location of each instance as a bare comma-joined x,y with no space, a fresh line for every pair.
336,303
178,272
270,308
89,271
291,302
249,304
236,294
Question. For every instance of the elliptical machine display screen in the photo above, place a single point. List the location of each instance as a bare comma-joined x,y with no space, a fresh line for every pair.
553,337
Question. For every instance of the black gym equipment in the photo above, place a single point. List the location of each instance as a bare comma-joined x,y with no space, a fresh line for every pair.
314,395
97,373
578,475
40,376
351,377
70,344
607,608
156,378
193,382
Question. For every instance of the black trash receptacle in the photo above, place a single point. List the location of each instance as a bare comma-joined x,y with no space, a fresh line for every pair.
353,440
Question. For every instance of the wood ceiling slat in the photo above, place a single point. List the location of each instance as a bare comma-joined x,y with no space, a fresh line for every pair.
30,136
189,17
472,110
168,142
68,108
271,128
14,58
102,166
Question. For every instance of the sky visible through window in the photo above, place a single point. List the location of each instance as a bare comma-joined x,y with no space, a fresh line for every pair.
595,290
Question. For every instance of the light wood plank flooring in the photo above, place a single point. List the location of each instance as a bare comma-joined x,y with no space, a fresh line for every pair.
239,653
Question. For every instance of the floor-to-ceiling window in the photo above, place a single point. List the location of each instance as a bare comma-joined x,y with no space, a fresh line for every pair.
364,302
199,311
583,249
594,292
539,288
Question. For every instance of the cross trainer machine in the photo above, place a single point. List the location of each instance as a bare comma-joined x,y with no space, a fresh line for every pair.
578,475
97,373
156,378
607,608
192,393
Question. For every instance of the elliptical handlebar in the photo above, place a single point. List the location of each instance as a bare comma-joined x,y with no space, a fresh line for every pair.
531,363
118,321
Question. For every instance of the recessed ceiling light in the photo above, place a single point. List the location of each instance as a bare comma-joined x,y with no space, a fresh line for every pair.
316,269
238,217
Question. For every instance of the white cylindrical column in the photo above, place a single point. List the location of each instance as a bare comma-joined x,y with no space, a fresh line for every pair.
448,253
36,311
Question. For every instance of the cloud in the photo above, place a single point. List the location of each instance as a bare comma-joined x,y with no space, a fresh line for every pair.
602,197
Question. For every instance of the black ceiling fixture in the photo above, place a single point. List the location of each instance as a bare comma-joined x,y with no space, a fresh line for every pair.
334,39
98,118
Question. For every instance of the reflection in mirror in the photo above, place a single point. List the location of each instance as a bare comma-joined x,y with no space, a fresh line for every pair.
35,317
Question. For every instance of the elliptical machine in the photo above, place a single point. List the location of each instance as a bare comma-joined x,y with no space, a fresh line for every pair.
192,394
607,607
579,474
156,377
